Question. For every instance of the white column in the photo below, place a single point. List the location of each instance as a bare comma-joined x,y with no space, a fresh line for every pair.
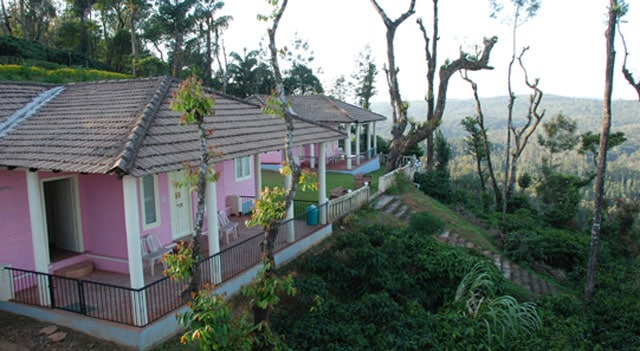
211,199
369,146
39,236
312,155
375,140
6,283
134,252
257,176
347,146
322,186
358,131
291,235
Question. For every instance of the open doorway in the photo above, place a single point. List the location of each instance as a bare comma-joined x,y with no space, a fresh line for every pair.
61,212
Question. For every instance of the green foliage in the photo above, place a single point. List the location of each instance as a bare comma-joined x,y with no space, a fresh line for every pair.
23,50
214,324
401,184
436,184
555,247
300,80
270,206
425,223
376,289
559,135
180,262
560,195
57,75
483,320
192,101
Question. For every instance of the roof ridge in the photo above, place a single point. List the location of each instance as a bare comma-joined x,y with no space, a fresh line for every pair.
119,80
353,120
129,153
29,110
355,106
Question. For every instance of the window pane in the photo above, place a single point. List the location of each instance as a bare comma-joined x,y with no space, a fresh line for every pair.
247,166
149,194
238,163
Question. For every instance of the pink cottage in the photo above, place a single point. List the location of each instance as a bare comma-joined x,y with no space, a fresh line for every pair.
87,174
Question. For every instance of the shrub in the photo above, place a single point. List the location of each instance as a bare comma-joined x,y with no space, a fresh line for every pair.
555,247
436,184
425,223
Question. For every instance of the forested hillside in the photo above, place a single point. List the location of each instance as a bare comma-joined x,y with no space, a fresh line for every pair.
624,166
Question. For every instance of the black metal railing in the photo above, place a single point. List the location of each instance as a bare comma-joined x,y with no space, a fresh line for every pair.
139,307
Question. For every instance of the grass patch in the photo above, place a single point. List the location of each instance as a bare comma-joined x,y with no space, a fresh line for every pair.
274,179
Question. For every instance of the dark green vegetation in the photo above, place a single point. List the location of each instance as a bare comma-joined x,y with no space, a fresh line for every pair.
383,287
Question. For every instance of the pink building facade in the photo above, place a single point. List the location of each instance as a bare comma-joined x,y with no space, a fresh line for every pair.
91,207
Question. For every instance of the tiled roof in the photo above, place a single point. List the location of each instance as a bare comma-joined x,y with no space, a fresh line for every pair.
326,110
14,95
126,126
359,114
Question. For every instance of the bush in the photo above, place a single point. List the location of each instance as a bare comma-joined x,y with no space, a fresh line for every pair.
425,223
436,184
555,247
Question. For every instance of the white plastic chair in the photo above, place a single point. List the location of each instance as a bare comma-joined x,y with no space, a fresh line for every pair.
153,251
226,227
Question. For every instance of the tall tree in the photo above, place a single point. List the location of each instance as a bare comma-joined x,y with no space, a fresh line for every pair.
211,27
273,205
615,12
300,80
485,139
172,23
435,105
521,11
476,146
248,75
365,78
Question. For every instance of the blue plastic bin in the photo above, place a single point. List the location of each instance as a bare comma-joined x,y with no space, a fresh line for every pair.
312,215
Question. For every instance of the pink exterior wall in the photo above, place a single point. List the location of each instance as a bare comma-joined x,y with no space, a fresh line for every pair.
227,185
15,228
273,157
101,214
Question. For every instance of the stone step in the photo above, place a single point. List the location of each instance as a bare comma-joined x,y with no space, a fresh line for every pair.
391,208
77,270
402,210
383,201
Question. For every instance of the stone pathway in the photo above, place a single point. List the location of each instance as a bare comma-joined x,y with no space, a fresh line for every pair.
396,207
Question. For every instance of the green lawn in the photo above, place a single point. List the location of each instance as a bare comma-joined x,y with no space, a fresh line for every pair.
334,180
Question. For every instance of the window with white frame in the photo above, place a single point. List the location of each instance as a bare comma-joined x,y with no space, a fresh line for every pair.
150,204
243,168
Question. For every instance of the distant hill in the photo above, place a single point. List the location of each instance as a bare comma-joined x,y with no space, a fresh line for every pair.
586,112
624,160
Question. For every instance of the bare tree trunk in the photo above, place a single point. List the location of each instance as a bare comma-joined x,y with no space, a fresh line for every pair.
201,185
521,136
431,57
261,315
625,71
485,141
6,29
134,41
398,107
23,20
592,265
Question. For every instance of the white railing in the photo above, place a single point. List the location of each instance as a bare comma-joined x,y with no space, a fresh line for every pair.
385,181
348,203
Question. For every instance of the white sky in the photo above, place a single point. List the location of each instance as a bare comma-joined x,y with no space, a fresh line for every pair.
566,39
